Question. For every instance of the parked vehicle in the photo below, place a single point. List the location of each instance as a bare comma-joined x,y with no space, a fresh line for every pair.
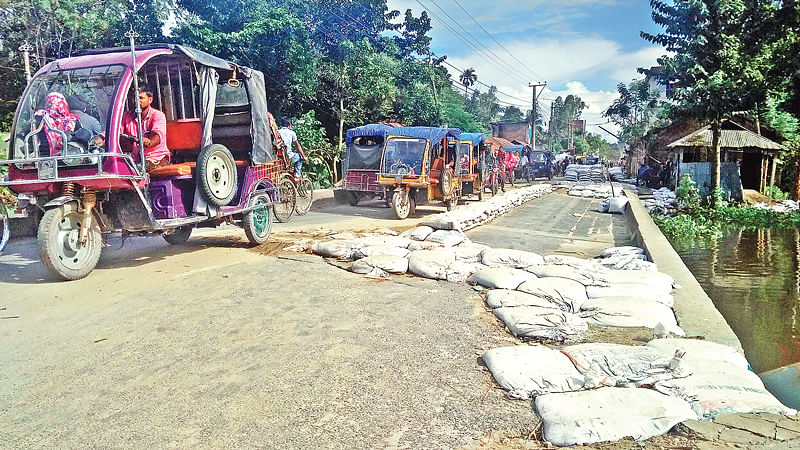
474,184
466,168
418,167
361,163
221,146
540,164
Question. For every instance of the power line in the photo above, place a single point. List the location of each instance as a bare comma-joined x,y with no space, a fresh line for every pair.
473,90
484,84
498,43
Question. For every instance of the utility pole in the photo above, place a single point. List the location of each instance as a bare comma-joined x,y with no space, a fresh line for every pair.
550,125
533,111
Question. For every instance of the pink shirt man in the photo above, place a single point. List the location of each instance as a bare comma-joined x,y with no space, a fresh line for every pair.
153,121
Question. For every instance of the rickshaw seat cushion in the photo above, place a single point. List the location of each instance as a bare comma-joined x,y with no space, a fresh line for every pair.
187,168
184,134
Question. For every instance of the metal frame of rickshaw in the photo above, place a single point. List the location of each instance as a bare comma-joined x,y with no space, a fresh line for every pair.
47,182
412,187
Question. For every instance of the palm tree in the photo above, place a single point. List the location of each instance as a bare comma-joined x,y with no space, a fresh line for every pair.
468,78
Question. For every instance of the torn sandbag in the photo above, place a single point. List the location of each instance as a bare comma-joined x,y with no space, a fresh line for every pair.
387,263
526,371
341,249
498,298
643,291
568,294
543,323
700,351
624,365
730,390
500,277
431,263
608,414
469,251
578,274
418,233
394,241
518,259
374,250
460,271
630,312
448,238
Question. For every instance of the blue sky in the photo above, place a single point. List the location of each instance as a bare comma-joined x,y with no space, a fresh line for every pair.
582,47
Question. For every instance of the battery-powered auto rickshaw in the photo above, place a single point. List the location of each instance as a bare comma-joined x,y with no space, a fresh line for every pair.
475,182
362,160
540,164
418,166
91,182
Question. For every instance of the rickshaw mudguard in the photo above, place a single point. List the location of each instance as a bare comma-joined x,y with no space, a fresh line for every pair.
60,201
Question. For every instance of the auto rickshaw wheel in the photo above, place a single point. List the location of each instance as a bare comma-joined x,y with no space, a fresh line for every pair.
446,183
5,231
179,236
59,246
257,222
216,175
305,196
283,204
403,204
353,198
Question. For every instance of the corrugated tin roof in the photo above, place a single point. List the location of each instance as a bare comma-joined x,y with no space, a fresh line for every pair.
728,139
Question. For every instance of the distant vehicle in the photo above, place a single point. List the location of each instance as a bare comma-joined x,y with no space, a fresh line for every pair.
540,164
470,164
361,164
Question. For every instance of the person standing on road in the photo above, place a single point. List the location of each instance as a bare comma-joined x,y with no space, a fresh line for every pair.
289,138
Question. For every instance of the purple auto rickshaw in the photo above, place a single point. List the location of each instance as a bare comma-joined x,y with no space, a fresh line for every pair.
221,152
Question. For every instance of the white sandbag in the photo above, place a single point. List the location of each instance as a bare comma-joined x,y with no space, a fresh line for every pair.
343,236
469,251
442,221
656,280
639,264
382,239
628,249
498,298
526,371
618,262
460,271
448,238
627,312
624,365
580,275
342,249
730,390
544,323
387,263
700,351
431,263
572,261
608,414
518,259
374,250
417,233
617,205
602,207
631,290
500,277
423,245
569,295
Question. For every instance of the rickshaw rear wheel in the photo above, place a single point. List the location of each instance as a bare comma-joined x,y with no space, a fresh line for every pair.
59,249
403,204
305,196
494,185
5,231
353,198
283,206
512,178
257,222
179,236
216,175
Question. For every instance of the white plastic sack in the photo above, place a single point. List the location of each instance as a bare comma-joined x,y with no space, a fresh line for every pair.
578,274
627,312
624,365
423,245
628,249
543,323
393,241
448,238
387,263
498,298
335,249
469,251
631,290
655,280
374,250
431,263
572,261
500,277
417,233
569,295
460,271
526,371
603,206
608,414
510,258
705,352
617,205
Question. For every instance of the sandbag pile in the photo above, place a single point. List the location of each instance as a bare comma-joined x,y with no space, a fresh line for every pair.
616,173
784,206
664,202
591,190
472,215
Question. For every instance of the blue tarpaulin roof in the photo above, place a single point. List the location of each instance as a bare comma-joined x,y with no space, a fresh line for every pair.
513,148
430,133
476,138
371,129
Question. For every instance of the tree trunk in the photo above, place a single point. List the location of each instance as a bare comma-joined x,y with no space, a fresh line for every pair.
797,179
341,132
716,129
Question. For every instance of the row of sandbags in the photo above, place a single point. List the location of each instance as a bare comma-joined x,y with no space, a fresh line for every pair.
472,215
592,190
582,391
616,173
581,172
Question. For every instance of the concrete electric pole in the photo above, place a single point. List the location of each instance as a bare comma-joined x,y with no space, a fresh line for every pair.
533,112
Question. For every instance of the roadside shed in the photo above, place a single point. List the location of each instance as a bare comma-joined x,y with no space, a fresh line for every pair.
755,155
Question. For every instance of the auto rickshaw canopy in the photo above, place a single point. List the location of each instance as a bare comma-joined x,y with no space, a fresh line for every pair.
433,134
370,129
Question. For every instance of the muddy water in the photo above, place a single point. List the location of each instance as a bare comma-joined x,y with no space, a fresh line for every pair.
753,277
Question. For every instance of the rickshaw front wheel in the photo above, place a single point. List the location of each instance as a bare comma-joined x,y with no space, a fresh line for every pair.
179,235
354,198
403,204
59,246
257,222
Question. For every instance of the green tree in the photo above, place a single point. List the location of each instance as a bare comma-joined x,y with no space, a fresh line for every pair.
512,114
468,78
718,60
320,152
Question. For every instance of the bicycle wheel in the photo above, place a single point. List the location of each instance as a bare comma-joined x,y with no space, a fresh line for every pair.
305,196
283,206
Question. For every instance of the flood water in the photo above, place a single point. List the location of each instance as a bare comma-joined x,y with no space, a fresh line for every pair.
753,278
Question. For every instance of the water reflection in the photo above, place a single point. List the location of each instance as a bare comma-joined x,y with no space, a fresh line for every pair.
753,277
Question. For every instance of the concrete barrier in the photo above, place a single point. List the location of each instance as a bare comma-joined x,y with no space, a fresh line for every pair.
694,310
